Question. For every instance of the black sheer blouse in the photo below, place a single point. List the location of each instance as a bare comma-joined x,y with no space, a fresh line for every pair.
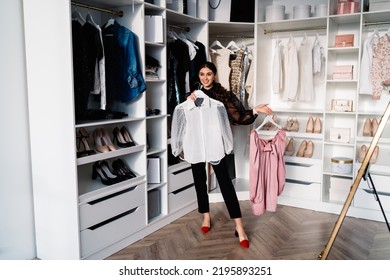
237,113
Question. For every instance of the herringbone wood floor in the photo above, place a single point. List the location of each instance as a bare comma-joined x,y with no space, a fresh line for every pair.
289,234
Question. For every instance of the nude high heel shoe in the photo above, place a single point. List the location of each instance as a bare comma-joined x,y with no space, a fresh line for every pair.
301,149
317,126
308,153
289,151
374,155
310,125
374,126
367,128
99,144
362,153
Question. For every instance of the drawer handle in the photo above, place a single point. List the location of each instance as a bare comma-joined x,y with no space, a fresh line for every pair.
111,196
180,171
112,219
298,164
379,193
183,188
298,182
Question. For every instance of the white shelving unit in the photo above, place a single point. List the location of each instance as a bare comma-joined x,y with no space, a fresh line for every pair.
314,192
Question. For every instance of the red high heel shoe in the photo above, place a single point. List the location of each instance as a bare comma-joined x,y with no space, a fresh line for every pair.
244,243
206,229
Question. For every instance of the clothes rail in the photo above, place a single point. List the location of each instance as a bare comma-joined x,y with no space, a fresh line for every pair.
294,29
376,23
182,28
116,13
233,36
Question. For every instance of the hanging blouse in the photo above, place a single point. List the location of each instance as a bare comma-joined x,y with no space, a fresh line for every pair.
380,72
305,62
291,71
267,173
221,59
365,86
277,73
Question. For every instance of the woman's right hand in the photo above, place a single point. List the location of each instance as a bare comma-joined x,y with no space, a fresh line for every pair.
192,96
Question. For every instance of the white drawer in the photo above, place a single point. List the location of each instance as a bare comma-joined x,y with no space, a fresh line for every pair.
303,172
98,210
179,179
302,190
364,199
381,183
112,230
181,197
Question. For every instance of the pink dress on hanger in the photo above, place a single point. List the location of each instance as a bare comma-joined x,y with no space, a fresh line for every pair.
267,172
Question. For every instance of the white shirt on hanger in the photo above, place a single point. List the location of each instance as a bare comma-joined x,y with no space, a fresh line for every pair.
203,133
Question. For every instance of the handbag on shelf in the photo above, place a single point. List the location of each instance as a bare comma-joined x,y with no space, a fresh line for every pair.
342,105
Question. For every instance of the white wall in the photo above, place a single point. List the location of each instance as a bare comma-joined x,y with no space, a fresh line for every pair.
17,240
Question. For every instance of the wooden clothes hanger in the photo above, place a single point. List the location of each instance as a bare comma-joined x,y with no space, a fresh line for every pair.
267,119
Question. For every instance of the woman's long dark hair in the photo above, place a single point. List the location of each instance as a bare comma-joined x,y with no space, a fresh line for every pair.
218,90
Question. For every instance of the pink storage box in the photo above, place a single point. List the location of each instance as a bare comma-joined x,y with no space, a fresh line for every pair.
343,72
347,8
344,40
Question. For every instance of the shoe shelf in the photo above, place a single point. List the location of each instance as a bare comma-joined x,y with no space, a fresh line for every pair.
112,154
93,189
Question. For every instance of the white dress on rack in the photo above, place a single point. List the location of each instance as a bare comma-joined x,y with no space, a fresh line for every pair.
221,59
305,62
291,71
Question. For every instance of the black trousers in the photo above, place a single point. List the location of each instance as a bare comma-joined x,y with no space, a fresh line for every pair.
225,183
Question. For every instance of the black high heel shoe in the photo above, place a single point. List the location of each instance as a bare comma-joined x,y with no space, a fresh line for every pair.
120,167
102,170
120,139
127,136
83,147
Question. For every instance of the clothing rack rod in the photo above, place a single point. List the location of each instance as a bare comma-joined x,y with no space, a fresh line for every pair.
294,29
186,28
116,13
233,36
376,23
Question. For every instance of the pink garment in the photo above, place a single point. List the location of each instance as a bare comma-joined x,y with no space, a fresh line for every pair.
380,71
267,172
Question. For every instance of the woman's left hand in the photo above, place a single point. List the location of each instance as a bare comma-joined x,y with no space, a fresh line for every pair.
263,108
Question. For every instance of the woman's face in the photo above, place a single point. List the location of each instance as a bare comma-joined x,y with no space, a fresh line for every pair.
206,77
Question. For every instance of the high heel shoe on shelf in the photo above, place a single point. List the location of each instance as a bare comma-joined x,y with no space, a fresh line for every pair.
127,136
313,125
102,170
244,242
103,141
370,127
289,151
83,147
308,153
301,149
121,169
122,137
